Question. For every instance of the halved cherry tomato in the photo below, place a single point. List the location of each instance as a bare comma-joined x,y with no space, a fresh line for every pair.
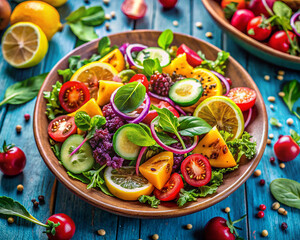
171,189
241,4
259,29
280,41
61,128
192,57
73,95
160,104
196,170
142,79
134,9
243,97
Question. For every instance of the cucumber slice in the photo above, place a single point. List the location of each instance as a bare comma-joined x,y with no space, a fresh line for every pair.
186,92
163,56
123,147
82,160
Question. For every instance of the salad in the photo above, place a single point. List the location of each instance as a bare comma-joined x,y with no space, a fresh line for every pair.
149,123
269,21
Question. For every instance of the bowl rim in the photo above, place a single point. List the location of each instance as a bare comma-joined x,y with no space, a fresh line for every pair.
244,37
156,213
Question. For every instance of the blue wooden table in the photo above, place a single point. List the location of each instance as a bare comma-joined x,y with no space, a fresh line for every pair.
38,180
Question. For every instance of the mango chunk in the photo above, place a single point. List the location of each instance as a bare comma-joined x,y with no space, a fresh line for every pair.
157,170
116,59
90,107
179,65
106,88
214,148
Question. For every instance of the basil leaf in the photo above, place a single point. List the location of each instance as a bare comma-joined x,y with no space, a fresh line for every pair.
137,135
94,16
286,191
292,93
130,96
151,66
82,121
76,15
104,46
98,121
167,121
295,136
192,126
165,138
83,32
24,91
165,39
282,10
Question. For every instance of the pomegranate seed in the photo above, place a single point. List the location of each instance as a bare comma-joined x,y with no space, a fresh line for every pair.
262,207
27,117
272,160
284,226
262,182
260,214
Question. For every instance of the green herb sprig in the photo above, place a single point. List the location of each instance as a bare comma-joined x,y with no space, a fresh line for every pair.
219,65
291,96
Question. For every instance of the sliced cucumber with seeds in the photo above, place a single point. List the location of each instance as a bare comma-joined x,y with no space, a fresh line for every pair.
186,92
123,147
82,160
163,56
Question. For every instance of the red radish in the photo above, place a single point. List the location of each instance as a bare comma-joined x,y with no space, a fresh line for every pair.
241,18
259,7
286,149
280,41
66,228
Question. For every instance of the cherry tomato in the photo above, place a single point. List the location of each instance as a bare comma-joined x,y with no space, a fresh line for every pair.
216,228
65,230
243,97
196,170
171,189
241,3
192,57
61,128
280,41
241,18
258,8
168,3
258,29
73,95
12,160
142,79
286,149
134,9
160,104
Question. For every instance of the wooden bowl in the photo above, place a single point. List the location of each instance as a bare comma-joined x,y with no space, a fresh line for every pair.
249,44
232,181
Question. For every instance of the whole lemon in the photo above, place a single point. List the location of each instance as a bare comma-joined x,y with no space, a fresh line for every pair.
55,3
39,13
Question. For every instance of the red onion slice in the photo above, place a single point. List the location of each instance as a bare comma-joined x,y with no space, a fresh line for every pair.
131,48
123,48
168,100
294,19
248,118
168,148
138,161
223,80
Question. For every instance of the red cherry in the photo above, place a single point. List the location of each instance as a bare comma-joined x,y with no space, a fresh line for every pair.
260,214
262,207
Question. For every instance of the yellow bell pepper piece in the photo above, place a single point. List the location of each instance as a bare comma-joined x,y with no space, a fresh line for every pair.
90,107
116,59
106,88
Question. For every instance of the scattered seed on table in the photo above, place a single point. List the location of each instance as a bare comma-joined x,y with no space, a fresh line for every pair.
264,233
199,24
262,182
271,135
10,220
107,16
189,226
107,26
267,77
279,125
101,232
271,99
257,173
285,213
18,128
106,1
36,204
269,141
27,117
175,23
227,209
289,121
271,106
280,78
272,160
275,205
113,14
281,94
155,236
284,226
282,165
33,200
209,34
41,198
20,188
281,210
281,72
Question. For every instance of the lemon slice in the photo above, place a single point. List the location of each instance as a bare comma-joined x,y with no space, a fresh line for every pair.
92,73
222,112
125,184
24,45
